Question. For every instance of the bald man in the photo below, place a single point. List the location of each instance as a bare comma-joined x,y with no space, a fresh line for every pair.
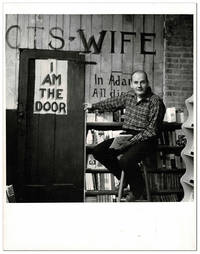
144,113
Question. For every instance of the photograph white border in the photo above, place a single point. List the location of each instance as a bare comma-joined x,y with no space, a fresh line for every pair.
130,226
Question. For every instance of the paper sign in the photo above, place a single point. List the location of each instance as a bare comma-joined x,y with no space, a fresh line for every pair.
50,87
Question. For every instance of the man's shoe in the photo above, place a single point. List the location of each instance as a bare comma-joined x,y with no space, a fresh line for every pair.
130,197
135,198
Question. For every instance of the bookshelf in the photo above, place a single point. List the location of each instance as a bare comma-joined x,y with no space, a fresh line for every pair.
187,180
164,180
103,187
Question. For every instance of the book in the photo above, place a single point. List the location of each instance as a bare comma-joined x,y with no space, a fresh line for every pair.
90,199
159,160
166,137
180,137
170,115
168,161
178,162
170,138
91,117
173,162
108,116
90,138
99,165
180,116
119,140
108,134
91,162
107,181
173,138
163,158
89,181
116,133
104,116
98,136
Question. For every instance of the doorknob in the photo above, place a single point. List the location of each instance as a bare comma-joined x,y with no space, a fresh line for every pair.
20,114
20,119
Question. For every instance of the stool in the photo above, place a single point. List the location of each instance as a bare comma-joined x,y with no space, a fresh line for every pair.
148,163
121,182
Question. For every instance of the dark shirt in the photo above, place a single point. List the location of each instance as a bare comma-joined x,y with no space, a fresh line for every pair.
145,116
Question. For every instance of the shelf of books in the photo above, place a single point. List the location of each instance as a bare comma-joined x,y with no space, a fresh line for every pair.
100,184
187,180
164,180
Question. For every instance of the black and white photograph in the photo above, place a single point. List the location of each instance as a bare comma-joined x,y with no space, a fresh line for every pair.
100,108
135,75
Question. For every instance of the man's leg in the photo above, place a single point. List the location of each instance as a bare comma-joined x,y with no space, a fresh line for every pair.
108,157
129,163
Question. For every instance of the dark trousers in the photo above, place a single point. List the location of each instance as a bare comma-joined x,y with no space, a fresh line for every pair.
128,162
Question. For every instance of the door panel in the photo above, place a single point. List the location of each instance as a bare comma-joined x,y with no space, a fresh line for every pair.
50,145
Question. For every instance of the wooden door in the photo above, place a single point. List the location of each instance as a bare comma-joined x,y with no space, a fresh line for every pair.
51,127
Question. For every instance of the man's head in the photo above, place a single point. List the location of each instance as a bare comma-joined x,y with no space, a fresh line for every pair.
139,83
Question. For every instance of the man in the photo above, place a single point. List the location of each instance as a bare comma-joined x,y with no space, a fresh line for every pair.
144,113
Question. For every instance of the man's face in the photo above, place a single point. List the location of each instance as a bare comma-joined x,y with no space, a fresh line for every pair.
139,84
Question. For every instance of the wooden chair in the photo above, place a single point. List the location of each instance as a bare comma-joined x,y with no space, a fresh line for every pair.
149,163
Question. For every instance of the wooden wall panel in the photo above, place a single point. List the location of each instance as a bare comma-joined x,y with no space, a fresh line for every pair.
159,57
59,31
23,23
31,32
149,47
39,31
95,69
127,57
117,26
117,56
138,57
35,32
86,25
42,21
45,34
75,23
11,61
66,28
106,60
52,24
106,57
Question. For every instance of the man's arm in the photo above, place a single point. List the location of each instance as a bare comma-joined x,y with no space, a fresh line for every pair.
109,104
156,116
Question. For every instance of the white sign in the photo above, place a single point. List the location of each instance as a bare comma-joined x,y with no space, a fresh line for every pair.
50,87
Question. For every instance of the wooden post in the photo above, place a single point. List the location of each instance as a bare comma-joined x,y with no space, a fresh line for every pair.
120,187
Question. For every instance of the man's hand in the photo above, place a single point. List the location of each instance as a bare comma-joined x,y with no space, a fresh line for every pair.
87,105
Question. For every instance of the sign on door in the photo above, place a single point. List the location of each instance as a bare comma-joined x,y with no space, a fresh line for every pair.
50,87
